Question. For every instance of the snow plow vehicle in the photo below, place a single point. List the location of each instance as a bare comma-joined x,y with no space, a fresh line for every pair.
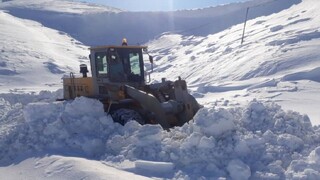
119,82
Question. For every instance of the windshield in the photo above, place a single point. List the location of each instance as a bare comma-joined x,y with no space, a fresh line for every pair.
133,63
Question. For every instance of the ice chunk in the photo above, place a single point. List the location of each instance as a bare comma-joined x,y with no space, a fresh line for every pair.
238,170
152,166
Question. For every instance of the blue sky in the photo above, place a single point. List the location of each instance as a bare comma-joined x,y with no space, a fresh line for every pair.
160,5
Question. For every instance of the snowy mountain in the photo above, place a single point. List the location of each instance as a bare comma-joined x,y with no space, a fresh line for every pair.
240,133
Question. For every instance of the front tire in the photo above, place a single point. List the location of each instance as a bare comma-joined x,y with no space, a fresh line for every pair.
122,116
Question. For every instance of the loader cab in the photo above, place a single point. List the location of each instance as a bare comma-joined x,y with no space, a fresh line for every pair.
119,64
125,65
115,66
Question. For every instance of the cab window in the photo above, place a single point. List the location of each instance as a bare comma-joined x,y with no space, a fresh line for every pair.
101,63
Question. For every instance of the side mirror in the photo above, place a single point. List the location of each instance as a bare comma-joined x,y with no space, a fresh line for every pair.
145,50
151,59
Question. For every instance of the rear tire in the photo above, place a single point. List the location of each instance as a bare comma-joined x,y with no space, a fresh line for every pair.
123,116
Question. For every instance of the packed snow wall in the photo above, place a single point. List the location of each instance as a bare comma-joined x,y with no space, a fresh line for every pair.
140,27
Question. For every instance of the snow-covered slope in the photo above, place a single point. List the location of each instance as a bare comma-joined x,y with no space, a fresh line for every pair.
109,27
278,61
33,57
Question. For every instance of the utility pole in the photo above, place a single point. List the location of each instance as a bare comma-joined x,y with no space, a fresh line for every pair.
244,26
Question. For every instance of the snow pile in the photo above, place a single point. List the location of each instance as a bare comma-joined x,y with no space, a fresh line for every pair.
76,127
258,141
305,168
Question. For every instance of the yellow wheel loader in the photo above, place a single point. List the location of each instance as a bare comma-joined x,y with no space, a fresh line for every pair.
119,82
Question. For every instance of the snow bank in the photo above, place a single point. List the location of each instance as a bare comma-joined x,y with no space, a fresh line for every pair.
257,141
